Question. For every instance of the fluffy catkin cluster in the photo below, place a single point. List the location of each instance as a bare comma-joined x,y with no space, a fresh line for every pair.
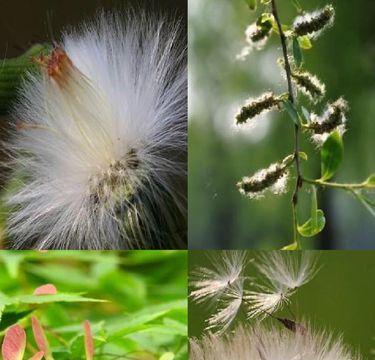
309,85
100,140
263,343
312,24
273,178
333,118
257,106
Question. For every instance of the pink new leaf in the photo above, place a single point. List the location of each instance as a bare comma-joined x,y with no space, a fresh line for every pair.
89,341
40,338
14,343
47,289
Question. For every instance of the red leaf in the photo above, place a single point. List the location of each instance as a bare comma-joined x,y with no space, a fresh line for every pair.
40,337
48,289
38,356
14,343
89,341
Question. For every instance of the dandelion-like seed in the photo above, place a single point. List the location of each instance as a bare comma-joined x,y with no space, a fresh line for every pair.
313,24
333,118
284,273
253,107
231,303
273,179
263,343
100,140
211,283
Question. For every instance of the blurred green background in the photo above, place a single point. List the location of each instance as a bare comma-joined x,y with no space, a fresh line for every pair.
340,298
145,315
219,155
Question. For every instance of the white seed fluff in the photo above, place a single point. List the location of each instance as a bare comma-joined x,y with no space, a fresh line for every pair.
101,139
284,273
262,343
211,283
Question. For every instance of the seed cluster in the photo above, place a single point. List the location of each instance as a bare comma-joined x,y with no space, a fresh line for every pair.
309,84
314,23
254,107
333,117
272,177
109,181
256,33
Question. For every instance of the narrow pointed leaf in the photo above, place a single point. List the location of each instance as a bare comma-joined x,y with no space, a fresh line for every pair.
40,338
14,344
297,53
290,108
252,4
89,341
293,246
304,42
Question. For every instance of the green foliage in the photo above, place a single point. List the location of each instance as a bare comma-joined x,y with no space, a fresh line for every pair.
12,72
332,154
134,300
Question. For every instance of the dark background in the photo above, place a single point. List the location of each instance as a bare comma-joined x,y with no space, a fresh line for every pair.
343,57
24,22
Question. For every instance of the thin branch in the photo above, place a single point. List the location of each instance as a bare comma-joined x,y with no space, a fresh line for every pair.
296,127
337,185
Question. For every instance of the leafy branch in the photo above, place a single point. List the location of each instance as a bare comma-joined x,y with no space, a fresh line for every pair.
326,130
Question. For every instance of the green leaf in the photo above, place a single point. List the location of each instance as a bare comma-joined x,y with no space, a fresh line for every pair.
290,108
370,181
252,4
304,42
303,155
306,114
45,299
10,318
293,246
332,154
167,356
308,229
297,53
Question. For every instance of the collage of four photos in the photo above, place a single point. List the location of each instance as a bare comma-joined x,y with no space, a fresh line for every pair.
188,179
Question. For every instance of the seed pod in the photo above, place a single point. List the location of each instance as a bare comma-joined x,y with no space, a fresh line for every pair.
312,24
254,107
273,178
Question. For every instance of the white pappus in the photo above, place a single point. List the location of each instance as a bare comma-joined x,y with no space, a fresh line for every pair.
99,150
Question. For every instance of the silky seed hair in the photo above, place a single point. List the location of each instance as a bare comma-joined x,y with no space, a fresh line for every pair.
99,147
313,24
254,107
273,179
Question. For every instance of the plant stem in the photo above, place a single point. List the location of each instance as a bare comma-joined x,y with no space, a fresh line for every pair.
335,185
296,127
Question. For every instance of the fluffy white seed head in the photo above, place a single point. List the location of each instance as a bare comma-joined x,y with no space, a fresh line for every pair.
263,343
284,273
211,283
101,137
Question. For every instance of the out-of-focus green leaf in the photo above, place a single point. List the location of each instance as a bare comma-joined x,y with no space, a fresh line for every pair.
332,154
304,42
293,246
10,318
297,53
291,109
252,4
